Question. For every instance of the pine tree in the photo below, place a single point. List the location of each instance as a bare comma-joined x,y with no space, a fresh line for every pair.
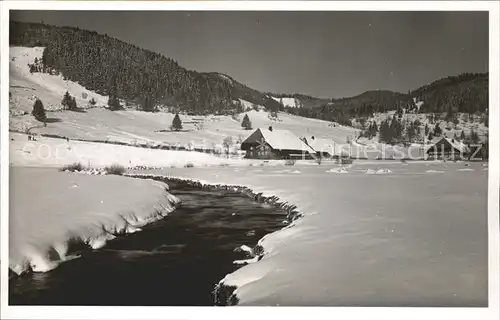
426,130
411,130
449,114
385,132
148,105
474,137
485,149
177,123
396,131
372,129
72,105
462,136
246,123
437,130
39,111
66,100
114,103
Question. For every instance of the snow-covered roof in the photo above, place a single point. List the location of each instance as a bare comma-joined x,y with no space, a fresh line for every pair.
327,145
454,143
278,139
457,145
320,144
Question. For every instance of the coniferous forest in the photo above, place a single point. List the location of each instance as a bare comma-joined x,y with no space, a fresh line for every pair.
112,67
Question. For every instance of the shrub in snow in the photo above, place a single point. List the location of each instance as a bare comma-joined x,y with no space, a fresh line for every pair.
227,143
74,167
189,165
116,169
246,123
289,162
177,123
68,102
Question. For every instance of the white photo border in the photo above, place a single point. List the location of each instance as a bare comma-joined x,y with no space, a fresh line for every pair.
45,312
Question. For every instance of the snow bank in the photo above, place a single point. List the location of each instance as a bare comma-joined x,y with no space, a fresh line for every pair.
357,247
338,170
383,170
378,171
50,210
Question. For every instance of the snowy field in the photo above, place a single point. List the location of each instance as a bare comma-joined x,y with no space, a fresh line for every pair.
374,234
130,125
49,209
58,152
288,102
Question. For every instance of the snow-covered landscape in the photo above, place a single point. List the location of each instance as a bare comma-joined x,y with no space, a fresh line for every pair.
97,123
354,247
340,215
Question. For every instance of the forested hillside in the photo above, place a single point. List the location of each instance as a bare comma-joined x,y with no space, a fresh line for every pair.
363,105
112,67
305,101
467,93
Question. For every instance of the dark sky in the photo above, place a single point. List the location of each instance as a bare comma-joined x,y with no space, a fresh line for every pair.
327,54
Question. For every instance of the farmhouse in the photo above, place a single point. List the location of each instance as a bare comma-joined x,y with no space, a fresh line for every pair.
446,148
275,144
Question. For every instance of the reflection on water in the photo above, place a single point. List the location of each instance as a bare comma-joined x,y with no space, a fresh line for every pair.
175,261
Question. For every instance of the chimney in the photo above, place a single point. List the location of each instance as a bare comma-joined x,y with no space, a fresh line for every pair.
270,128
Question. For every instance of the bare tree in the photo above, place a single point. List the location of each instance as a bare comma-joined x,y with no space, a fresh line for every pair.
227,143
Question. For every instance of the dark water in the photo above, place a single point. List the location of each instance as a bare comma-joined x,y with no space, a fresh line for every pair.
176,261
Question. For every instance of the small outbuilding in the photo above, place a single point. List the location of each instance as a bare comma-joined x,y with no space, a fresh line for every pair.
446,148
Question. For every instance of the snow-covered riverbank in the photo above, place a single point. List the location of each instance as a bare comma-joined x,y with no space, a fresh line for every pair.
406,237
50,210
413,235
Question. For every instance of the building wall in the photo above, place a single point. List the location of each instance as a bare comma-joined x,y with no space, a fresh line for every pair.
268,153
255,151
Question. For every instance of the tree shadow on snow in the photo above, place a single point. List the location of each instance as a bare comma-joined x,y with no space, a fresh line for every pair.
169,130
52,120
80,110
